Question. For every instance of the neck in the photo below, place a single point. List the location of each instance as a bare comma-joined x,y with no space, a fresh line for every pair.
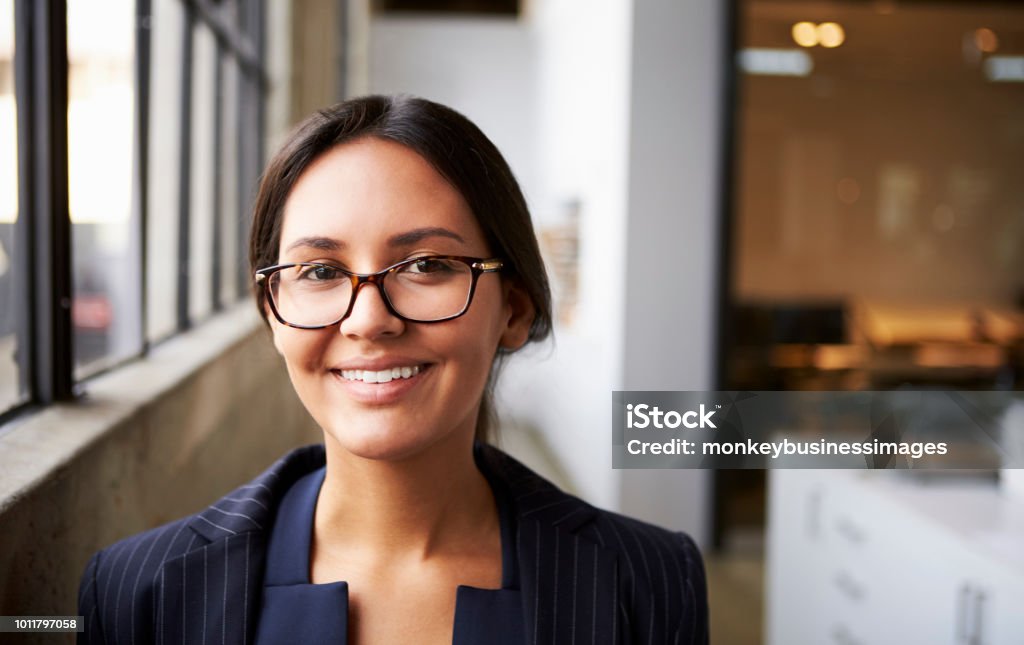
418,506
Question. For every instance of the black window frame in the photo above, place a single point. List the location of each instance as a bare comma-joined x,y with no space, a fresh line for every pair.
42,267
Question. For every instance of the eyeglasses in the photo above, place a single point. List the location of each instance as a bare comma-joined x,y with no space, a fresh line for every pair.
432,288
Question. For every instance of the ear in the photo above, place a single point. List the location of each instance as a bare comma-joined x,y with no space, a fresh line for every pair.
521,312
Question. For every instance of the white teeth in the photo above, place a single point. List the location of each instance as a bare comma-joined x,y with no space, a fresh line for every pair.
382,376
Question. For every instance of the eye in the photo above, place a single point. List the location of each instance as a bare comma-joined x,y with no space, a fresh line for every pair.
319,273
429,265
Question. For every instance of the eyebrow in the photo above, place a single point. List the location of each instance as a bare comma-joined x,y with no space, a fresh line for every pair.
319,243
419,234
408,238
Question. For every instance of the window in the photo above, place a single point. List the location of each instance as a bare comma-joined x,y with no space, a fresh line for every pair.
11,383
123,204
106,311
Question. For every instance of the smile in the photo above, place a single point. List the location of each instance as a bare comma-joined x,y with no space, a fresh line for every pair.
381,376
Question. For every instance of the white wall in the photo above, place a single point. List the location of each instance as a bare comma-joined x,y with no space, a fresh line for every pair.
582,104
612,103
674,187
482,67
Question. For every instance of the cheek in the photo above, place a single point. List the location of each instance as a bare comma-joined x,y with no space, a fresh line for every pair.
300,348
478,338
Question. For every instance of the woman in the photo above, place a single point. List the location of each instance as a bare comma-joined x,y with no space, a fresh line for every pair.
395,264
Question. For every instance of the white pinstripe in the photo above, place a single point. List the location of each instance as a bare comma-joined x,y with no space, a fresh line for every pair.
160,568
629,562
664,583
163,596
570,514
120,585
223,528
117,558
246,499
135,586
224,613
615,615
245,603
234,514
680,576
248,486
184,589
205,585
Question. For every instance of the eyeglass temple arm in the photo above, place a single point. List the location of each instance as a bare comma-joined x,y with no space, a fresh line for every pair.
489,265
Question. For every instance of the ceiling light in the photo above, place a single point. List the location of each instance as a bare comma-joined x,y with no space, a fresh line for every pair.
805,34
986,40
831,34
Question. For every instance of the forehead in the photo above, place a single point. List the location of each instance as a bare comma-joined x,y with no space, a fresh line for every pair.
365,192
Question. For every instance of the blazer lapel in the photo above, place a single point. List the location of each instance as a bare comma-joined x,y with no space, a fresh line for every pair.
568,580
211,593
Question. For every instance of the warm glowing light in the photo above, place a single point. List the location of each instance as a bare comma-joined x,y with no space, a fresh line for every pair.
986,40
805,34
831,34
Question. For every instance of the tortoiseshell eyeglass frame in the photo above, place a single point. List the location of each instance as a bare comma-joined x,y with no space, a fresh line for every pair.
477,266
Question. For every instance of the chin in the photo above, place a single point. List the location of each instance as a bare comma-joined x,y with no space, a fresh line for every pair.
378,441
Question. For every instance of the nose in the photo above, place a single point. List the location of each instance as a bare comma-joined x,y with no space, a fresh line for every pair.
369,316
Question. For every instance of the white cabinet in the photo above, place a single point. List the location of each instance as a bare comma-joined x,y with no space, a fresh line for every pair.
866,558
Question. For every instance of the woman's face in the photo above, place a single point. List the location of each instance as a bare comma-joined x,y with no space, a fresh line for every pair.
364,206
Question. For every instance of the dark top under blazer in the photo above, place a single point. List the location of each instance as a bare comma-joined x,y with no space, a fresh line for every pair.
586,575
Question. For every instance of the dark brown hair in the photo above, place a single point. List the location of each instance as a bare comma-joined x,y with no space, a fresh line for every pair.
460,153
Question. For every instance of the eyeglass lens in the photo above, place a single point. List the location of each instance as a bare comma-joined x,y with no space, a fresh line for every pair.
426,290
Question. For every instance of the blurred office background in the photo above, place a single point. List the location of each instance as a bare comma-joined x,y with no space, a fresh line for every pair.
754,194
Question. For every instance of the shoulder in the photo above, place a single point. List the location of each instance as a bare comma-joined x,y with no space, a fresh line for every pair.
659,572
120,581
534,495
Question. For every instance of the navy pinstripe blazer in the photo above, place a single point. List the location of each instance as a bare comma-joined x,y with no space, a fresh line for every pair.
586,575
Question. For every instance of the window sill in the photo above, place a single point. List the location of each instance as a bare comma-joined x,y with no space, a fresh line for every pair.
35,447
